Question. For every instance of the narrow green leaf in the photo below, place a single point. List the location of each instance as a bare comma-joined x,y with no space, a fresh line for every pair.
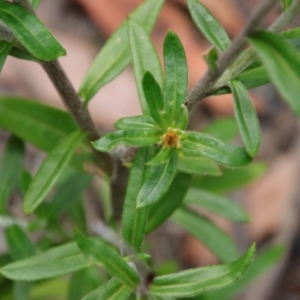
217,204
264,261
155,102
25,180
176,76
67,193
282,63
131,137
18,243
53,262
195,281
162,210
157,183
162,157
223,153
5,48
32,33
208,25
286,4
224,129
136,122
21,54
10,167
112,262
77,213
207,232
145,59
192,162
115,54
133,219
21,290
246,117
35,3
112,290
183,121
231,179
211,58
50,171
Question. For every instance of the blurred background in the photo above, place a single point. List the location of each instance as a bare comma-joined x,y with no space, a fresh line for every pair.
82,26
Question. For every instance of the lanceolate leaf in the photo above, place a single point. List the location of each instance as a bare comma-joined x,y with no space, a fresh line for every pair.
136,122
157,183
162,210
183,121
33,35
223,153
155,102
112,290
176,76
4,50
207,232
208,25
133,219
216,204
246,117
50,170
115,55
104,254
145,59
10,168
54,262
192,282
282,63
162,156
130,137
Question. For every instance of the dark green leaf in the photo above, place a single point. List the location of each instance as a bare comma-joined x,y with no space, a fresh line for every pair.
224,129
246,117
231,179
141,48
264,261
136,122
163,209
286,4
183,121
21,54
25,180
176,76
115,55
282,63
217,204
77,213
155,102
208,25
114,264
10,166
112,290
195,281
211,58
223,153
133,219
54,262
130,137
18,243
207,232
33,35
162,157
50,171
4,50
157,183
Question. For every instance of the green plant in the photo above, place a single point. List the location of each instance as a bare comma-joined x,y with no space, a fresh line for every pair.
172,169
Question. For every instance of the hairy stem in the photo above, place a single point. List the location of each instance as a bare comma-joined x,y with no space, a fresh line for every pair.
199,91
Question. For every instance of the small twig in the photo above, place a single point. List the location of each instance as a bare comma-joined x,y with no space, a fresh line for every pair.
199,91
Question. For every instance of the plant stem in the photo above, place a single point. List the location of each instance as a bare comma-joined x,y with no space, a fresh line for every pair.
199,91
77,109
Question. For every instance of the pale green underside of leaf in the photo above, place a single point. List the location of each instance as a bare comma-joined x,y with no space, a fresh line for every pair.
217,204
282,63
223,153
130,137
136,122
54,262
246,118
207,232
208,25
192,282
111,290
50,170
115,54
145,59
32,34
